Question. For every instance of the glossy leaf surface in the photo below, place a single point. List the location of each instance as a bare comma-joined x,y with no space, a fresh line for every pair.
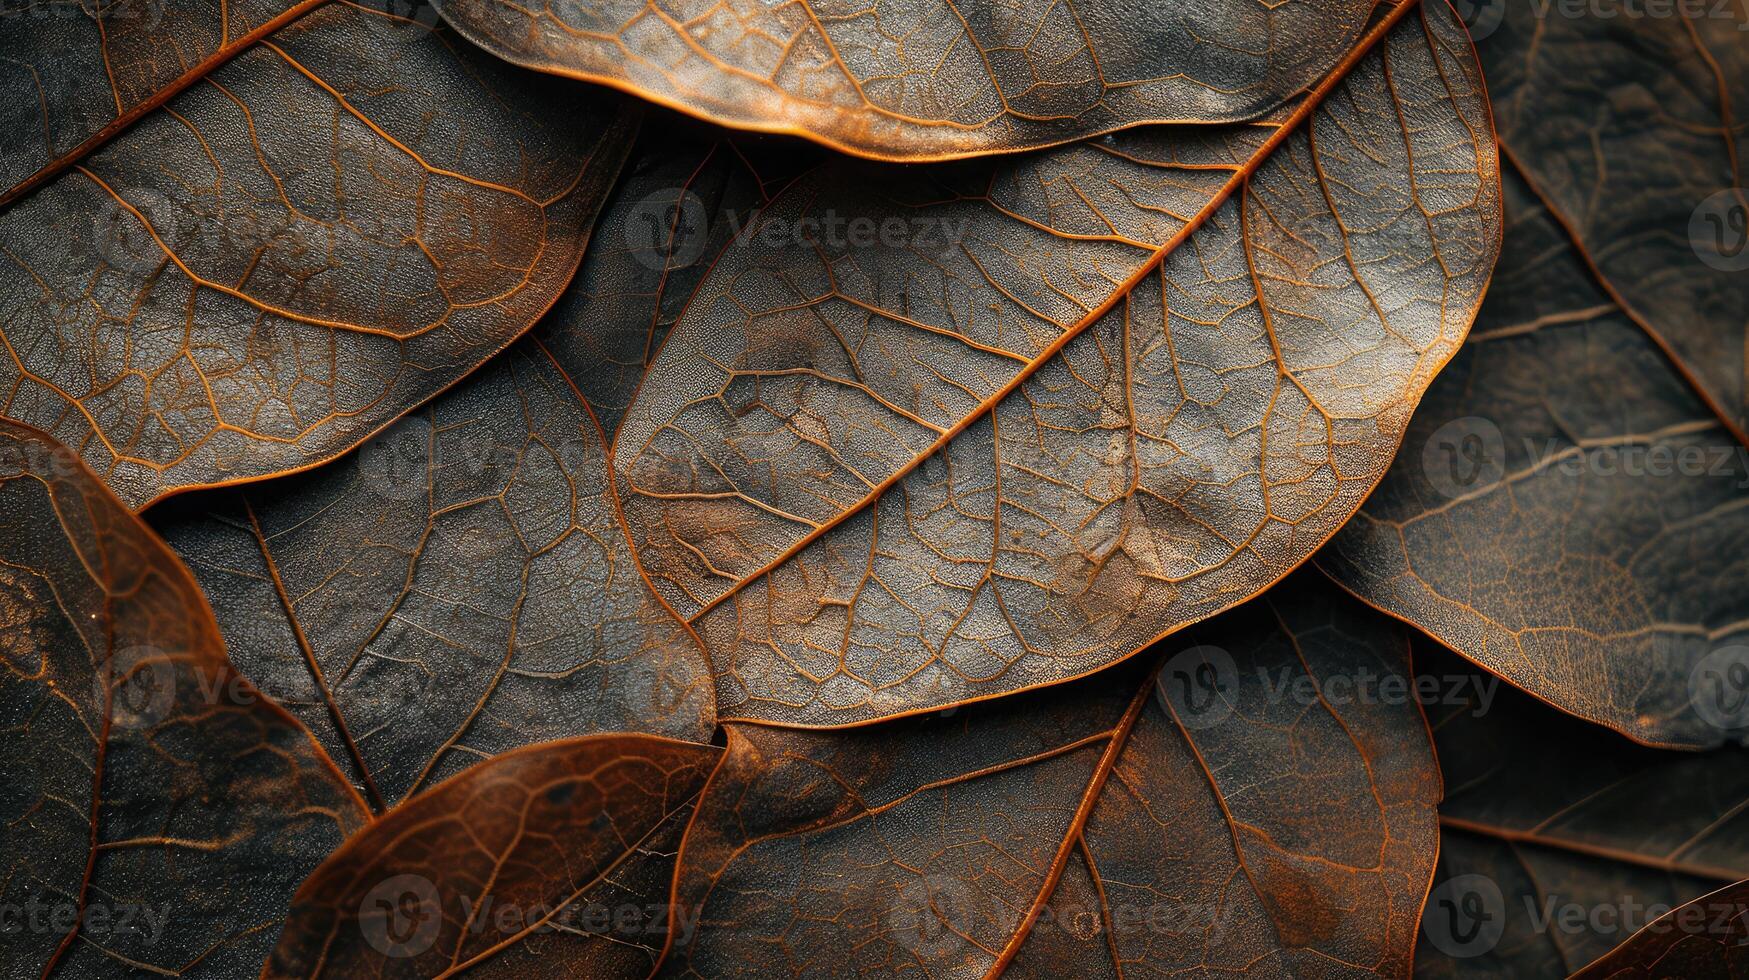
302,243
930,79
1205,813
156,812
460,586
931,437
550,861
1560,838
1566,512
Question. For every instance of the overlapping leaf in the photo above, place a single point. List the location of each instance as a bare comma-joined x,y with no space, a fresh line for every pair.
1223,812
459,587
928,437
155,811
288,244
930,79
1560,838
550,861
1708,937
1566,512
686,190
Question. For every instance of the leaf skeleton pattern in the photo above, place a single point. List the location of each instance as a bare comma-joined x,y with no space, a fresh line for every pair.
145,781
935,79
285,249
880,481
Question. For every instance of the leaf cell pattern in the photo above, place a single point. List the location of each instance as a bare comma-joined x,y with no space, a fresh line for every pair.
143,777
1103,401
316,235
1523,527
460,586
1104,828
507,869
930,79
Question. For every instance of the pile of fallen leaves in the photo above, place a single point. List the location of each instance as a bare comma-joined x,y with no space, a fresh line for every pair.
983,488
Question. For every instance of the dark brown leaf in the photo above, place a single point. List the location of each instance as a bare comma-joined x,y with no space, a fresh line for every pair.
933,436
284,251
460,586
1560,838
931,79
550,861
1225,807
155,811
1566,512
1707,939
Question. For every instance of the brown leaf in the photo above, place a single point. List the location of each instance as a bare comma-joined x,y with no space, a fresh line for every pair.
550,861
930,79
1707,939
1566,512
155,810
686,190
1230,805
933,436
273,255
459,586
1560,839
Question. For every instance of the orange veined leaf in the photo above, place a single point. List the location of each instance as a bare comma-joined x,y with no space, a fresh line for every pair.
930,79
1560,839
927,436
1233,806
144,779
246,265
1569,508
1707,939
458,587
554,860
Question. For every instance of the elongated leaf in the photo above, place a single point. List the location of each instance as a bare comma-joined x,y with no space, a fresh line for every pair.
935,436
1560,839
1231,806
930,79
1566,512
293,248
1707,939
687,189
460,586
155,811
551,861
